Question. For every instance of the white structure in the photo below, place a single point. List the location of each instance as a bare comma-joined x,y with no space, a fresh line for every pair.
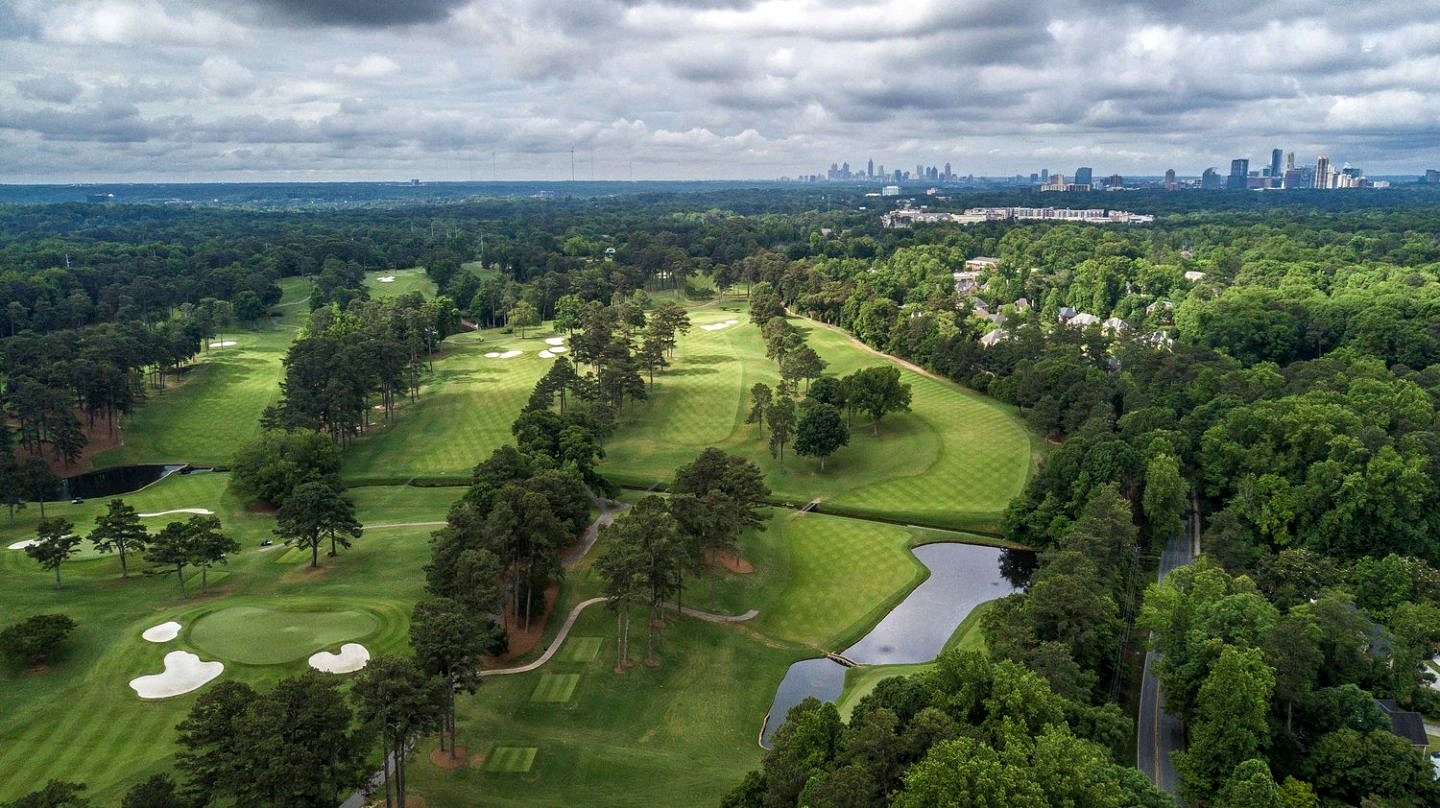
1083,320
1194,275
1087,215
1114,325
994,337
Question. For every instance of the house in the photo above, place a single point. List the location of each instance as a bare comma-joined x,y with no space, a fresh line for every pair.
998,319
1194,275
1159,305
1022,304
966,282
1405,724
1083,320
1159,339
1066,313
994,337
981,263
1114,325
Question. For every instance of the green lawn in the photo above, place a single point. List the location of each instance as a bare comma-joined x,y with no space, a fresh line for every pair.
259,635
80,720
405,281
955,461
216,406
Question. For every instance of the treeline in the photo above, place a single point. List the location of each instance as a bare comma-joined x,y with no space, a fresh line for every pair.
348,362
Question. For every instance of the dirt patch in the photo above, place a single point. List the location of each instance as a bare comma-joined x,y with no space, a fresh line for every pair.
523,642
478,759
98,438
730,561
261,506
414,802
440,758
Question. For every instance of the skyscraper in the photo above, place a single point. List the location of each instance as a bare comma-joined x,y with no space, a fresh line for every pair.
1239,174
1275,155
869,169
1210,180
1170,179
1322,171
1082,175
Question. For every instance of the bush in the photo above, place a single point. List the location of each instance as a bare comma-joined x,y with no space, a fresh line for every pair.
34,640
271,466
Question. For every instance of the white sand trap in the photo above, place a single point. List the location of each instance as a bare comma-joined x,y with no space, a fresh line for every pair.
196,511
558,349
224,343
555,341
546,355
184,672
509,354
493,355
352,657
165,632
23,543
387,278
716,326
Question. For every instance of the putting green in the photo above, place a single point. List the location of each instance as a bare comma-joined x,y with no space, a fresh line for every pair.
582,649
511,759
258,636
555,688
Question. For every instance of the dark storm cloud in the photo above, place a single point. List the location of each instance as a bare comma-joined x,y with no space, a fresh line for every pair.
362,13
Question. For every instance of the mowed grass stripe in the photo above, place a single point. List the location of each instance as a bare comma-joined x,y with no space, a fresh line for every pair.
511,759
582,649
555,688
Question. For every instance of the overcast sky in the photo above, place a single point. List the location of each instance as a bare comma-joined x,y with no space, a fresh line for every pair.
141,90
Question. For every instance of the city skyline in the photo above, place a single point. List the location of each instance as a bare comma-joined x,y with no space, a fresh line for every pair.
162,90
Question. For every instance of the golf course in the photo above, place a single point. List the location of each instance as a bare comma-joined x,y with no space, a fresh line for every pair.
572,731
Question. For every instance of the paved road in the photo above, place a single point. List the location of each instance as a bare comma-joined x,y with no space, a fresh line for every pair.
1157,732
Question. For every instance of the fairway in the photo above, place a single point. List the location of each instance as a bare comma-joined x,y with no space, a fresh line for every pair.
582,649
954,461
555,688
402,282
511,759
260,636
215,406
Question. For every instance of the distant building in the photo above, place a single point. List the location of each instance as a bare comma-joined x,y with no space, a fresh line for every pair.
1211,180
1114,181
1082,175
1405,724
980,263
1275,156
1239,174
1432,175
1322,172
1170,179
890,190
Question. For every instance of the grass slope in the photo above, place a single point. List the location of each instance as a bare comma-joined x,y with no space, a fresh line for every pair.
216,407
406,281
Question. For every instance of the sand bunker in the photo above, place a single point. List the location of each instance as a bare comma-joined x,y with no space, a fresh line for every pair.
558,349
165,632
224,343
493,355
197,511
352,657
387,278
718,326
184,672
508,355
23,543
555,341
546,355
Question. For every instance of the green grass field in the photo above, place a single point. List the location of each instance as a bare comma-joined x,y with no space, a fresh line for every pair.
202,418
404,282
573,732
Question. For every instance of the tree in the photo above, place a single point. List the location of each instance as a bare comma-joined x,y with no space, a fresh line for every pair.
35,640
314,511
271,466
449,643
119,530
209,545
54,544
522,316
622,568
398,702
159,791
1164,499
651,531
781,417
877,391
37,481
820,432
297,745
567,313
802,363
760,397
1231,723
55,794
174,547
1250,786
208,755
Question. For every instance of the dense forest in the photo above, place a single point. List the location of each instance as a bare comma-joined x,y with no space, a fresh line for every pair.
1266,368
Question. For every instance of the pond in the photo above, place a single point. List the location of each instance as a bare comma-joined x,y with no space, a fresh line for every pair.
118,480
962,576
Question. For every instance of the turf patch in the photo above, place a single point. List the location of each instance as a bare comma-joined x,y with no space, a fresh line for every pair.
517,759
291,555
582,649
259,636
555,688
192,580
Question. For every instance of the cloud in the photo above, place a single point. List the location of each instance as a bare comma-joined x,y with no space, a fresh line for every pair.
373,66
362,13
226,77
49,87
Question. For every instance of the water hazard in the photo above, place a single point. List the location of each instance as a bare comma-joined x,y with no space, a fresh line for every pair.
118,480
962,576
